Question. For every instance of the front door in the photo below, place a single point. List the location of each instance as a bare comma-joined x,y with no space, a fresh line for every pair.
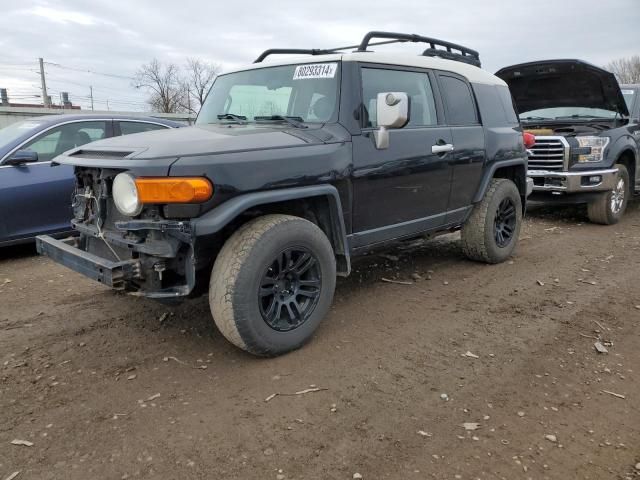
403,189
36,197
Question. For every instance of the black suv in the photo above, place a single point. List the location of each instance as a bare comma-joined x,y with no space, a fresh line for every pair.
586,142
293,168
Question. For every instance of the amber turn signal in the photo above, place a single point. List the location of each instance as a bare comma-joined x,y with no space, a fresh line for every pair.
173,189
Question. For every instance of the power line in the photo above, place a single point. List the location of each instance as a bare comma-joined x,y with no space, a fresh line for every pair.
113,75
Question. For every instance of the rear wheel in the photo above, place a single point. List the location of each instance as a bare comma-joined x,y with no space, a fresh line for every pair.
272,283
491,233
608,207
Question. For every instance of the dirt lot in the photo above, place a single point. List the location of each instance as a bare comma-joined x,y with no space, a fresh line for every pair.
107,386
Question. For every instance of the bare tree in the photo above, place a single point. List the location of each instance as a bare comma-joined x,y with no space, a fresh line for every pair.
626,70
165,86
199,77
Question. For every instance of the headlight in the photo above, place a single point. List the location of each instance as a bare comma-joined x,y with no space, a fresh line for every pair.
125,195
591,148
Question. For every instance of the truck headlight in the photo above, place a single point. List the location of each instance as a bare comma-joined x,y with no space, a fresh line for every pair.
591,149
125,194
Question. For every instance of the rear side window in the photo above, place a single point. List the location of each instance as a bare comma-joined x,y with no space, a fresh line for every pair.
127,128
507,103
496,107
461,107
415,84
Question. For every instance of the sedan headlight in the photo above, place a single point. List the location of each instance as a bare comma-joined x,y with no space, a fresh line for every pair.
125,194
591,149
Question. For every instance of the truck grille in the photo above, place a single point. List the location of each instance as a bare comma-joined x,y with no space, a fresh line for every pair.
548,154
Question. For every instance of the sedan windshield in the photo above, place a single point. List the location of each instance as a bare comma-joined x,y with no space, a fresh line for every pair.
17,130
307,93
561,113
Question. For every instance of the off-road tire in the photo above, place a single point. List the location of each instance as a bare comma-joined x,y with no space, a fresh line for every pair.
478,233
238,272
600,209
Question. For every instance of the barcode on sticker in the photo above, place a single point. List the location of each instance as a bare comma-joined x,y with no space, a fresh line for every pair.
315,70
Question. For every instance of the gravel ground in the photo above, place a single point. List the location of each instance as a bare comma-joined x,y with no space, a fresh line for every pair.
472,371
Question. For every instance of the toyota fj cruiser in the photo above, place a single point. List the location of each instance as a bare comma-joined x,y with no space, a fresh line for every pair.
293,168
586,146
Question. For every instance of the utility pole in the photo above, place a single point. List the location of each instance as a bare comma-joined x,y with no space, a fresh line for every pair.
91,94
45,98
107,104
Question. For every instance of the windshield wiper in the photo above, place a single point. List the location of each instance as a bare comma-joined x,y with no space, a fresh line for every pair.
233,117
297,122
583,116
535,118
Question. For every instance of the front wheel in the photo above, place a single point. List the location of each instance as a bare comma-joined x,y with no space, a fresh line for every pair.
608,207
491,232
272,283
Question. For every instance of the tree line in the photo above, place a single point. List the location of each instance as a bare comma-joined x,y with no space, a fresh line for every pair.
173,89
182,90
626,70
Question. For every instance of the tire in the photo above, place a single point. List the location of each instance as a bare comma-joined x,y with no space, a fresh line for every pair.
608,207
485,237
246,282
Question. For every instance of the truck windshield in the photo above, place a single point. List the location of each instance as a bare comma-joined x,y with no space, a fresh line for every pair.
628,97
566,112
307,92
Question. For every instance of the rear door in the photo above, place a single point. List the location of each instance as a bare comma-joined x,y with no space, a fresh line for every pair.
468,158
35,197
404,188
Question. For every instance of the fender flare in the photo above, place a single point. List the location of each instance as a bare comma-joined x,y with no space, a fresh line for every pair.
492,170
216,219
624,145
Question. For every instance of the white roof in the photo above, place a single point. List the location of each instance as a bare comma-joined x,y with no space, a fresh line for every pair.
472,73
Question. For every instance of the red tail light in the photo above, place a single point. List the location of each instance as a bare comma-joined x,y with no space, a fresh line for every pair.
529,139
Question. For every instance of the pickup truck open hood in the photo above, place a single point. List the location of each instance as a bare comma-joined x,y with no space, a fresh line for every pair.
563,83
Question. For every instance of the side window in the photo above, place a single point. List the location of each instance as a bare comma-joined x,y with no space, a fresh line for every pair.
416,85
46,145
508,104
65,137
127,128
460,104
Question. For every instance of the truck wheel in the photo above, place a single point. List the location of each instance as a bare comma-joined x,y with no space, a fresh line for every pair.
272,283
608,207
491,232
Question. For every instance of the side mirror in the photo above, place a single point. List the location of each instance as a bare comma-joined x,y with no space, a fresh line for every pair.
21,157
392,112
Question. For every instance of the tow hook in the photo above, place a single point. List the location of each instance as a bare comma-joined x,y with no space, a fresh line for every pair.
159,267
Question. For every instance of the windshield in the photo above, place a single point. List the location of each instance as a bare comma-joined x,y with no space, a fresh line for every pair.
567,112
16,130
628,97
308,92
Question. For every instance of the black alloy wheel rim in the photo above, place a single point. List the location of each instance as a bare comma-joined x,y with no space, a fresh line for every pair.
290,289
505,223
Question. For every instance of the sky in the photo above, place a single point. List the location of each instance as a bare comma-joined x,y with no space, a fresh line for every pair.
102,43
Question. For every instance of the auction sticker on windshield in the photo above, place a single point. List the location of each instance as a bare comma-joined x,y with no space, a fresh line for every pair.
315,70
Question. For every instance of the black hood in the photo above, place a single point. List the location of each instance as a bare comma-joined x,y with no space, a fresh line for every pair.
563,83
199,140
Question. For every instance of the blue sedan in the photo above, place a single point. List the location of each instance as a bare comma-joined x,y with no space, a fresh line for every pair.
34,198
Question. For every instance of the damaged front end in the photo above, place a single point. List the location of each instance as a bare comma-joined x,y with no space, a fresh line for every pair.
148,255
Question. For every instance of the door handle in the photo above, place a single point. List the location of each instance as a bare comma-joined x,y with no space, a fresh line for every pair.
447,147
